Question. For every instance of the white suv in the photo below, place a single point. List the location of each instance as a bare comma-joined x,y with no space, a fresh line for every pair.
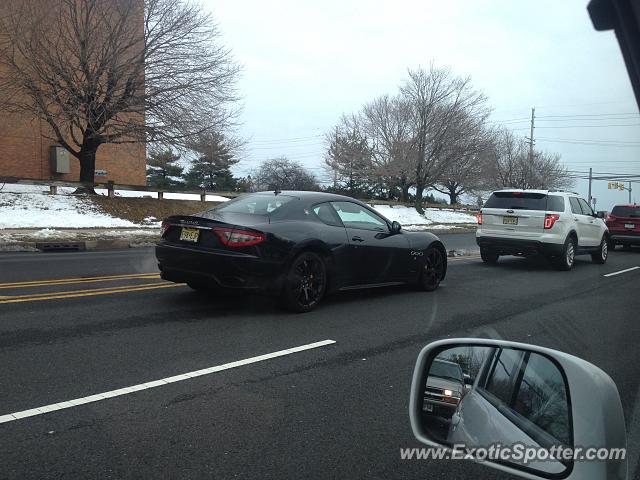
558,225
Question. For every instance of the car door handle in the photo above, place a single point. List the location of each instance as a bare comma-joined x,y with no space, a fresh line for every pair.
357,239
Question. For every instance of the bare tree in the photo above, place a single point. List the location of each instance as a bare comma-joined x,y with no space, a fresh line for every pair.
387,123
118,71
510,166
465,155
437,100
349,155
283,174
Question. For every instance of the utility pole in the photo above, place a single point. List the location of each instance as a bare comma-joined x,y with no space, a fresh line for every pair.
531,142
629,193
590,180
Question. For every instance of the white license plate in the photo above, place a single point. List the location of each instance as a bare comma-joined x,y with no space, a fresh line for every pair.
510,220
629,225
189,235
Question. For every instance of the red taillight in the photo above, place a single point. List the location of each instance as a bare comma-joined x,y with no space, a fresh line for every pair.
164,228
479,218
232,237
610,219
550,219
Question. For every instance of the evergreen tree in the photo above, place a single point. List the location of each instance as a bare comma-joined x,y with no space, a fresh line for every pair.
211,168
162,171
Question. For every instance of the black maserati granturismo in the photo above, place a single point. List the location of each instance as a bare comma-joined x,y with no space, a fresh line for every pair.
298,246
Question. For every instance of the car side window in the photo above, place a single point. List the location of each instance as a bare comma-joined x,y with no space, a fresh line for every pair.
327,214
541,397
353,215
499,380
586,209
575,206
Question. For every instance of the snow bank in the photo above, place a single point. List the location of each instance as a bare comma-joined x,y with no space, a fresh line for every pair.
38,210
409,216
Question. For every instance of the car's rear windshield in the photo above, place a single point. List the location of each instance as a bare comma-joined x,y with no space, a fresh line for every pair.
446,370
625,211
525,201
255,204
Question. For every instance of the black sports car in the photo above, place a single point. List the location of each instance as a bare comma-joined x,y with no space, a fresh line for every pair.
298,246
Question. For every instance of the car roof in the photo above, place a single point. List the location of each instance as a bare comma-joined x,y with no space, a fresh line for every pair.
533,190
446,361
310,196
628,205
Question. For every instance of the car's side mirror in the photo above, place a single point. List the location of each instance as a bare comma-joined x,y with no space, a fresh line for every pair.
600,214
395,227
530,411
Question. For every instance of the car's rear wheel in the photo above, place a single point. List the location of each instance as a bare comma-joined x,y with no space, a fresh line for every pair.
305,283
601,255
567,258
489,256
433,269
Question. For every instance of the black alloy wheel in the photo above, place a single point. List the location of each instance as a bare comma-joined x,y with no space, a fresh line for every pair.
305,283
433,269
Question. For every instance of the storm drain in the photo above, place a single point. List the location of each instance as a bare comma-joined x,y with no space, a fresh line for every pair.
61,246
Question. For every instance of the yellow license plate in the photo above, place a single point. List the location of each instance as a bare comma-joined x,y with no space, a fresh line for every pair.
189,234
510,220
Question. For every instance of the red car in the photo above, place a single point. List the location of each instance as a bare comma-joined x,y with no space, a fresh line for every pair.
624,225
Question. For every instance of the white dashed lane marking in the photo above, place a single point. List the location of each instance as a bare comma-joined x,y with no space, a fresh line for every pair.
621,271
10,417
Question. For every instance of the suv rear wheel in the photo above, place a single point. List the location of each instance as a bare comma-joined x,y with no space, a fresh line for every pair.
488,256
567,258
601,255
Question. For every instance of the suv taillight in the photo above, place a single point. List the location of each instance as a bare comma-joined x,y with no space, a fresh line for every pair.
232,237
164,228
479,218
610,219
550,219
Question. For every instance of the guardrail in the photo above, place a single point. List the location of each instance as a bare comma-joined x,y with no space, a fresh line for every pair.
111,187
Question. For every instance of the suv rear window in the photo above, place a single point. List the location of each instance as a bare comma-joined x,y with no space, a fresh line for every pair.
517,201
624,211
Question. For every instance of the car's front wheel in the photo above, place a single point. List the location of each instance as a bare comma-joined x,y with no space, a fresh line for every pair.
488,256
433,269
305,283
567,258
603,252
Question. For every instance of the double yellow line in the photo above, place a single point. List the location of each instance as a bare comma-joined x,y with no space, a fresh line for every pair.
33,297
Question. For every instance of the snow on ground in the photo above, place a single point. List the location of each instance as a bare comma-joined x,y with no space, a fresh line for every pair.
409,216
37,210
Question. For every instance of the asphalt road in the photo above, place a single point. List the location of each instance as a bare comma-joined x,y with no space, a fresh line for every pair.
335,411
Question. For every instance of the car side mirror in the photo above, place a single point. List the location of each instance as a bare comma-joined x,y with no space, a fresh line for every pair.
531,411
395,227
600,215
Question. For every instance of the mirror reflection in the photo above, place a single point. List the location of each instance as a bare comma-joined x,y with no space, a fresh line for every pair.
481,396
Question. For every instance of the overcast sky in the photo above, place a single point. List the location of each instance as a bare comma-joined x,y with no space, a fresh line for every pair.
307,62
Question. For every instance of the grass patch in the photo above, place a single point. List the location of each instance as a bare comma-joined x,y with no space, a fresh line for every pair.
137,209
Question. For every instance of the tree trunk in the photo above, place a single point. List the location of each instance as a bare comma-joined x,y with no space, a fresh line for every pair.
418,201
405,193
453,197
87,158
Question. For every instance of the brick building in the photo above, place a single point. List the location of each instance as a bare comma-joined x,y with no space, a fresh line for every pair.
25,152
